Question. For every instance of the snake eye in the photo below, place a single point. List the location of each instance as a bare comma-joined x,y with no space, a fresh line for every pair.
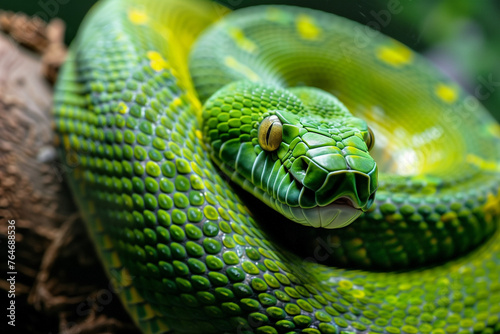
370,140
270,133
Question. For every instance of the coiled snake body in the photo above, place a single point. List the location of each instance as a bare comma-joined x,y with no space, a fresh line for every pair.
162,112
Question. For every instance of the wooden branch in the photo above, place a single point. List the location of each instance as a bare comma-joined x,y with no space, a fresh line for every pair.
59,281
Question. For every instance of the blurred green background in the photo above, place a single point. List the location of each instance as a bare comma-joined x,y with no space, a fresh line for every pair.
462,37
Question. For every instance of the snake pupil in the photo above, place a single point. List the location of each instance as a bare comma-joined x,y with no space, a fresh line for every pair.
269,133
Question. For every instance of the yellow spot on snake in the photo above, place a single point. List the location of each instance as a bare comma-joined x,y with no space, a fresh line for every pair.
396,55
446,93
122,278
154,55
306,27
122,108
66,143
492,166
345,284
443,281
241,40
137,16
115,260
494,129
162,327
148,312
158,65
177,102
134,297
492,206
199,135
106,242
239,67
358,294
448,217
156,61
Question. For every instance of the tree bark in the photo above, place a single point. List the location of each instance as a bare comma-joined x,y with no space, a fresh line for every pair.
60,286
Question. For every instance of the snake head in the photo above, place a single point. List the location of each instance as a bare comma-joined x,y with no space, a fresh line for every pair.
299,150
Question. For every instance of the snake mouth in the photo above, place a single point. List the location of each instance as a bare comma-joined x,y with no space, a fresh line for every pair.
346,201
337,214
333,203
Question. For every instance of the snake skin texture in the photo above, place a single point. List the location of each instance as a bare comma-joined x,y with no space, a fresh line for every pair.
157,110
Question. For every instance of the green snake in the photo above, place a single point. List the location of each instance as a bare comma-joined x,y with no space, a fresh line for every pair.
226,167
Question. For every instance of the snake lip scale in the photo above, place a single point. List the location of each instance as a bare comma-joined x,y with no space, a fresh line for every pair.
170,106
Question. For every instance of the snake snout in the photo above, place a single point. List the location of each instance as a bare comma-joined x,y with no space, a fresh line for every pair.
325,191
331,181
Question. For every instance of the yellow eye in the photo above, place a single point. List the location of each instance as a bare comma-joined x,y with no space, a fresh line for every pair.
270,133
370,140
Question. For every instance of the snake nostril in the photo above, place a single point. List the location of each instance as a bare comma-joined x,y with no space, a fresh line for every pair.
299,168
